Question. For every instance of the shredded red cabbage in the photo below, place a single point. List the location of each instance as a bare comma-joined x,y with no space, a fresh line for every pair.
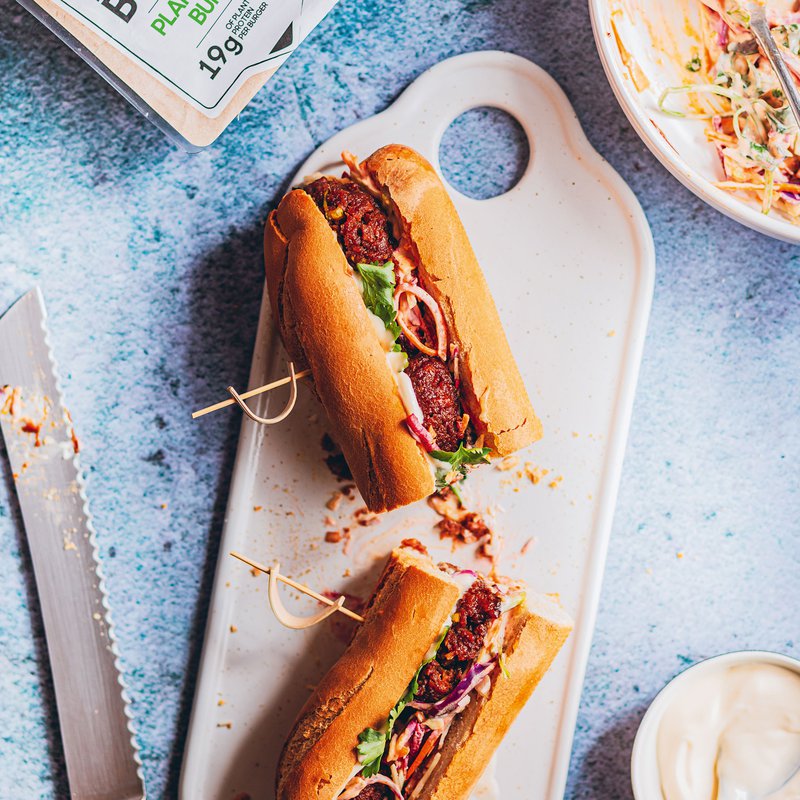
474,675
419,432
414,735
720,26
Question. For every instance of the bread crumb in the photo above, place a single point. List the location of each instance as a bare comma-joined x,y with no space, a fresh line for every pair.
524,549
680,554
554,483
335,501
346,573
255,572
220,702
163,505
534,473
234,629
508,463
334,537
415,544
257,508
363,516
227,725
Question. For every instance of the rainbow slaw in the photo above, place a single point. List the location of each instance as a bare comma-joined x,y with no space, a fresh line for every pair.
731,84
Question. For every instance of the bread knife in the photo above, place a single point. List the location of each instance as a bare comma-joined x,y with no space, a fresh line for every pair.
93,707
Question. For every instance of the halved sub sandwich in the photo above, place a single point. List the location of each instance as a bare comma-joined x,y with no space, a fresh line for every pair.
432,680
374,286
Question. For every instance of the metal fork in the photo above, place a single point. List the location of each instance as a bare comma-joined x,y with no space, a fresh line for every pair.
759,27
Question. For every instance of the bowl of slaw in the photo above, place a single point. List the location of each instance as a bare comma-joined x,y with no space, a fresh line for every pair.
702,97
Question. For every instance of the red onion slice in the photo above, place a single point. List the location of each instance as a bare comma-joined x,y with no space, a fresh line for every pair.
436,313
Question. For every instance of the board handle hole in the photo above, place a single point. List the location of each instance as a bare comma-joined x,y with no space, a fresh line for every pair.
484,152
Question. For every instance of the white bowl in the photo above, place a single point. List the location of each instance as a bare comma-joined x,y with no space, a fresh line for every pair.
644,761
646,43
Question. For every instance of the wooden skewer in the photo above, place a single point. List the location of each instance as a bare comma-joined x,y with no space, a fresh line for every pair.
261,389
299,586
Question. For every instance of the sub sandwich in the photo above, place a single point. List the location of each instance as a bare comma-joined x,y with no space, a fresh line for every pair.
432,680
374,286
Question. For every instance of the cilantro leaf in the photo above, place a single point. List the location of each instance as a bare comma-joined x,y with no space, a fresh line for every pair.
378,293
372,743
459,461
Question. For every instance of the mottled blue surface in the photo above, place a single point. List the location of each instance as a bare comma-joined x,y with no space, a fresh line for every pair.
150,261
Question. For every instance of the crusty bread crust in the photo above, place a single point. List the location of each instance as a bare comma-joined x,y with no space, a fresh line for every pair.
325,324
535,632
493,392
406,614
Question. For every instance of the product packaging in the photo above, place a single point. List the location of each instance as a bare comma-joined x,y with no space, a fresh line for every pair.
190,66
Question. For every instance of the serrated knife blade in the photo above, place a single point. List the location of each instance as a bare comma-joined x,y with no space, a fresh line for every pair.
99,745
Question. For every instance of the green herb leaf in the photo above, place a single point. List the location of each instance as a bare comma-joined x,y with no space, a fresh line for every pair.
456,490
459,461
694,65
378,293
372,743
503,667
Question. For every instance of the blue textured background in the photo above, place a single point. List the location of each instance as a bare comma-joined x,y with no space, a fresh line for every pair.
150,261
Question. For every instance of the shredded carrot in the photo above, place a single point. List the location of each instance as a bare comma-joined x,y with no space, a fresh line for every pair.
755,187
424,752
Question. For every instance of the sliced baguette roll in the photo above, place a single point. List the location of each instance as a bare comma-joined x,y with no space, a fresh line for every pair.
326,326
411,604
405,616
492,389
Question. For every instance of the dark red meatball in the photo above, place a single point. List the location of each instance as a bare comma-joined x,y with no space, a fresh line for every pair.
438,399
435,681
358,219
375,791
462,644
478,606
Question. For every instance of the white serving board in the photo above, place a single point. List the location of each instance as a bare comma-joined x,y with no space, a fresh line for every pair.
569,258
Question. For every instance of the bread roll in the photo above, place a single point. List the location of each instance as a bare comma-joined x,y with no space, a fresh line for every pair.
411,604
326,326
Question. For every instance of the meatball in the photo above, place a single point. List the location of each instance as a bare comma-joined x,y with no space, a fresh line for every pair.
436,393
462,644
479,605
375,791
435,681
358,219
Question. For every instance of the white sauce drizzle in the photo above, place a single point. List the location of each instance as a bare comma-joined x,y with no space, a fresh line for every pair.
397,362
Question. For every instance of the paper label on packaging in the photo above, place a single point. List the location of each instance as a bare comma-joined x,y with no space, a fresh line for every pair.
202,49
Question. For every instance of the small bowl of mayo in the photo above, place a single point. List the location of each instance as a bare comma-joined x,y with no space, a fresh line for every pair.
727,728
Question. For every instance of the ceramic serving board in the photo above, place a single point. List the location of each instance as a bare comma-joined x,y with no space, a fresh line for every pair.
569,258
